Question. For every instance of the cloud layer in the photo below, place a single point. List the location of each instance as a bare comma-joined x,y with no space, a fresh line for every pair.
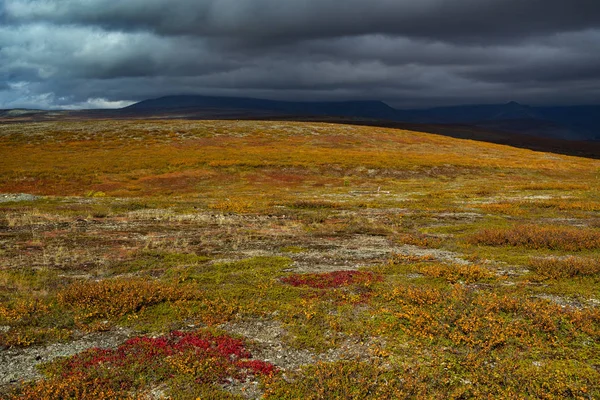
104,53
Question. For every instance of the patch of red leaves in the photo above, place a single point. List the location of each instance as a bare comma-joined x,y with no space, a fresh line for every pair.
333,279
149,356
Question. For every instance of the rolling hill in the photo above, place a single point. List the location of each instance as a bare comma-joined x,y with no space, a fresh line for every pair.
566,130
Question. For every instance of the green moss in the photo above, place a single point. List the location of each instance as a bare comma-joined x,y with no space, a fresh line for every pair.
339,380
184,388
293,249
156,260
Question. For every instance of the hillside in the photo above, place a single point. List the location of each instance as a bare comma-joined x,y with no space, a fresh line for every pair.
562,130
275,259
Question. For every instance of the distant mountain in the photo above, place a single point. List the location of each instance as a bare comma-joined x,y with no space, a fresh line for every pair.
362,109
568,123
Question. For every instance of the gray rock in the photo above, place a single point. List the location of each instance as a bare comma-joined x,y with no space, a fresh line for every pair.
18,365
9,197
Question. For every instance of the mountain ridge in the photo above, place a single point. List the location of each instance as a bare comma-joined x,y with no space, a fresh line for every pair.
362,108
506,123
567,122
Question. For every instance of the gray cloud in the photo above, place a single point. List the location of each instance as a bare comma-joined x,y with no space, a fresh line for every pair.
92,53
301,19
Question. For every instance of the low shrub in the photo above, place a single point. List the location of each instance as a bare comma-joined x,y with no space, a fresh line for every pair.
540,237
456,272
202,357
411,258
118,297
565,267
32,321
419,239
315,204
24,336
333,279
340,380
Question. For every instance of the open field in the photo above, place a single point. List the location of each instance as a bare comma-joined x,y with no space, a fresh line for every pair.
281,260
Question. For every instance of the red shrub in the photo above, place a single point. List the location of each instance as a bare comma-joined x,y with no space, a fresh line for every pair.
332,279
202,356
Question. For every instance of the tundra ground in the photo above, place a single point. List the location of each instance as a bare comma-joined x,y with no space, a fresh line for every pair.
225,259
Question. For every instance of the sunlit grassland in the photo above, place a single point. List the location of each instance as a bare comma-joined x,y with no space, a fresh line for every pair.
129,158
405,264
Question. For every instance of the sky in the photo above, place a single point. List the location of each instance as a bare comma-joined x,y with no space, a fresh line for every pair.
69,54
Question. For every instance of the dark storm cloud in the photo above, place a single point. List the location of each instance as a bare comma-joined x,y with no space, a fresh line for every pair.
66,53
301,19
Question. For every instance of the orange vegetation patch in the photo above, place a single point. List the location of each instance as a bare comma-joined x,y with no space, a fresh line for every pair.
116,298
108,187
71,157
565,267
456,272
279,177
176,181
540,237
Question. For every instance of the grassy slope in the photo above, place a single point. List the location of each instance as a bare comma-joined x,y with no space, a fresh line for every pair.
165,206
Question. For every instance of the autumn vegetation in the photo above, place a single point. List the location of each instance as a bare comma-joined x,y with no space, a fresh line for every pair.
399,264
